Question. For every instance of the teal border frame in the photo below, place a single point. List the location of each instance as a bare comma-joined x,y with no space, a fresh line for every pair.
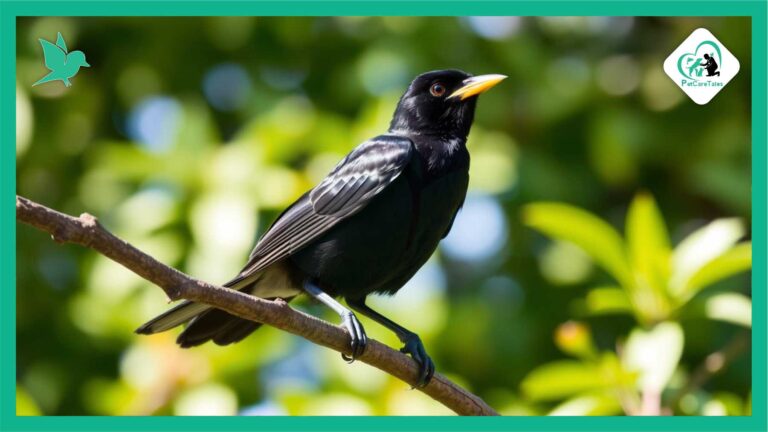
9,10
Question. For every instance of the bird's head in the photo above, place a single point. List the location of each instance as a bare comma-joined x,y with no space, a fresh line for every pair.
441,102
77,58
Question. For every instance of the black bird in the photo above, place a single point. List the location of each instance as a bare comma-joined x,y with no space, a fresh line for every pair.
367,227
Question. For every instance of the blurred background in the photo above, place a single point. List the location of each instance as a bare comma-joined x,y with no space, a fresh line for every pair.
599,266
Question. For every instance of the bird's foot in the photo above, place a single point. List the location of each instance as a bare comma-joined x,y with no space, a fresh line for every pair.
415,348
357,333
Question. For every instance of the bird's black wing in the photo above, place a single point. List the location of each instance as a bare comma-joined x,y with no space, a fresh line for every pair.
359,177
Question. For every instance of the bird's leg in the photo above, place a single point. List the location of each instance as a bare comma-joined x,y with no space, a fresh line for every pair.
412,341
348,320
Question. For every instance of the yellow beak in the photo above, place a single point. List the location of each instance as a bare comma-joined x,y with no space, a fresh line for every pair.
476,85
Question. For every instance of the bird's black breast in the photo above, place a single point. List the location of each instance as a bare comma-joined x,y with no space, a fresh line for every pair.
380,248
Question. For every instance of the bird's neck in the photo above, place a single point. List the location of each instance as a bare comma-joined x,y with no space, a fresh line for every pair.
444,134
441,154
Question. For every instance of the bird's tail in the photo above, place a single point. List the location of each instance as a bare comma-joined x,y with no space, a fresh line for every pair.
208,323
173,318
44,79
217,326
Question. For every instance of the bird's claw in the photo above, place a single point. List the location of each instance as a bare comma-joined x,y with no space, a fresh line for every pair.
357,333
415,348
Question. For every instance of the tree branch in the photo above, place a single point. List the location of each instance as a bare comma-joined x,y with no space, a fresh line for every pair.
86,231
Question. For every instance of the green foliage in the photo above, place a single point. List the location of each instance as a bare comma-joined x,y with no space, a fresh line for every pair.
591,386
594,236
561,379
656,284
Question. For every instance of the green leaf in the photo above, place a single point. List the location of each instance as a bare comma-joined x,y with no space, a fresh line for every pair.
596,404
561,379
607,300
647,234
654,354
596,237
727,307
699,248
615,374
649,252
563,263
25,404
734,261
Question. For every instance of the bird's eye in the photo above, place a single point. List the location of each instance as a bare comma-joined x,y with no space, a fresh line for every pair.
437,89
